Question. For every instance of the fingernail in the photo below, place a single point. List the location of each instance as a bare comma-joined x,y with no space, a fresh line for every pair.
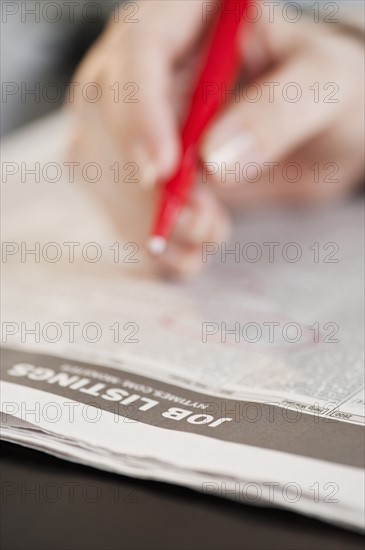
239,148
149,175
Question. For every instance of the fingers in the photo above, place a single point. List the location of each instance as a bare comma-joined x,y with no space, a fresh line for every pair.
202,220
147,127
269,130
311,138
139,69
301,96
323,170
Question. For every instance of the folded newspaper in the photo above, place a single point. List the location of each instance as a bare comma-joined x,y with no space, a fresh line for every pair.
247,383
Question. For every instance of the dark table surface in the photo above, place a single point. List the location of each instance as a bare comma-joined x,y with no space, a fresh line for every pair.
52,504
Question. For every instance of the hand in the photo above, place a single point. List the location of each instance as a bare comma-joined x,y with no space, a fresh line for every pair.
160,55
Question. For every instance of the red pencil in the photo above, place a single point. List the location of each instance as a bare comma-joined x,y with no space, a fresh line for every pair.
218,73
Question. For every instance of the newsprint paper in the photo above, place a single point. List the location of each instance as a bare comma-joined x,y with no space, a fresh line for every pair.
246,383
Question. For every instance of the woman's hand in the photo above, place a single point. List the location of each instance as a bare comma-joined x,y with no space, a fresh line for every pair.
146,72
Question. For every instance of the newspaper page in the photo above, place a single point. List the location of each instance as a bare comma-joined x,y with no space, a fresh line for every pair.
245,383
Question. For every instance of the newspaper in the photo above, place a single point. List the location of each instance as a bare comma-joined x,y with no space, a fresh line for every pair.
246,383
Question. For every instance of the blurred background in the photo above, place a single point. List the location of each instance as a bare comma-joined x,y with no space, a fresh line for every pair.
41,45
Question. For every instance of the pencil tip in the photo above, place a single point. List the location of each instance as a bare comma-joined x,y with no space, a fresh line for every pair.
156,245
